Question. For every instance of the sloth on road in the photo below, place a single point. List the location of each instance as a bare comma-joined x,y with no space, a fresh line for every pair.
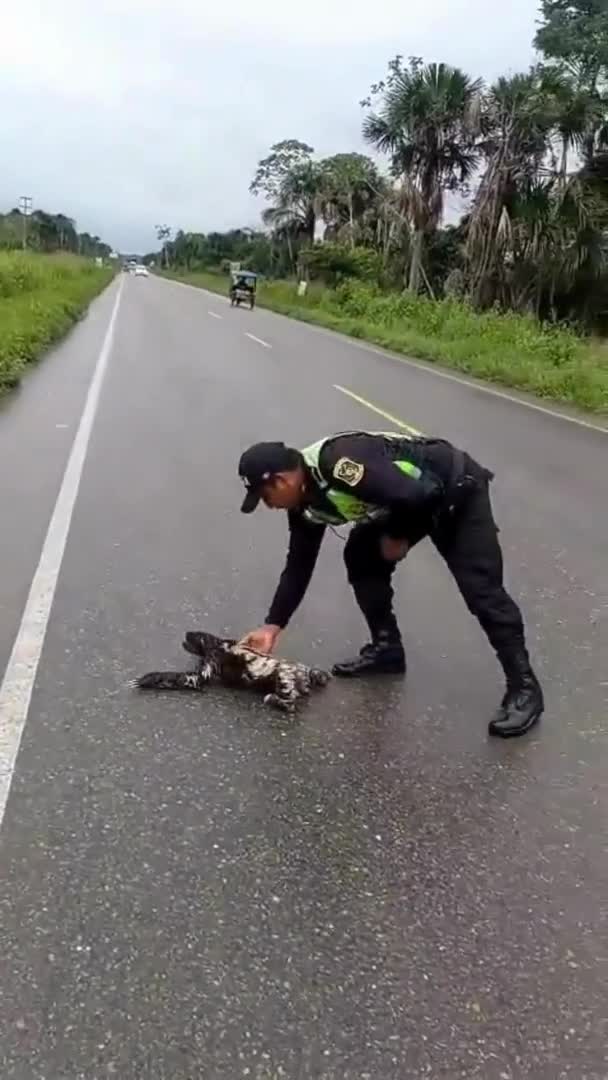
224,662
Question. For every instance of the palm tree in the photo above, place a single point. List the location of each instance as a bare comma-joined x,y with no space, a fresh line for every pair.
534,225
297,205
517,123
348,183
580,113
163,233
428,123
45,230
66,228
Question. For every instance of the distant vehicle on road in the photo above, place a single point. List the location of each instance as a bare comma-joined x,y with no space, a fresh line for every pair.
242,287
141,271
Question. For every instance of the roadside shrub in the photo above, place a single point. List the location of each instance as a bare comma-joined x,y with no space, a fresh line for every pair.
515,350
41,296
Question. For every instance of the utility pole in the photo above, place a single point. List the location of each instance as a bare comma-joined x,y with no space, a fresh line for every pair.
25,206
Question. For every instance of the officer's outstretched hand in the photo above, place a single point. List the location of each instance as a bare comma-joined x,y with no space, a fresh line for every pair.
262,640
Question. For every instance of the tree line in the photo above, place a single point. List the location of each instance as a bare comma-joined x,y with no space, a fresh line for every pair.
47,233
527,155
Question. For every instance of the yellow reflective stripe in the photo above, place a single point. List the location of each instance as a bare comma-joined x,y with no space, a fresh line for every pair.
348,507
409,468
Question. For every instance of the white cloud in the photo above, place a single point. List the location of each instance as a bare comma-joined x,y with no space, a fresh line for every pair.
126,113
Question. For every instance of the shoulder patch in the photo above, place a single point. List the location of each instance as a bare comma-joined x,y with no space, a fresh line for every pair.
349,472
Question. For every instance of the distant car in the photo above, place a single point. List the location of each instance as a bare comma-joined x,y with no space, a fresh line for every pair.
141,271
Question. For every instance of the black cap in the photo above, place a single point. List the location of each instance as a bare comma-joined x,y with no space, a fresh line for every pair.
259,464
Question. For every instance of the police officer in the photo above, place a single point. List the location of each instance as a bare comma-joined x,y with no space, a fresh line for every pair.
396,490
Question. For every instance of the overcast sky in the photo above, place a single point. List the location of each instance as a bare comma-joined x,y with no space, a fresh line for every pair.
125,113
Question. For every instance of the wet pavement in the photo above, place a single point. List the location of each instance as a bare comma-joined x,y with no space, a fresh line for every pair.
196,888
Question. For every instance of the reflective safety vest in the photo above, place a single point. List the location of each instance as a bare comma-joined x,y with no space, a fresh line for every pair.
346,507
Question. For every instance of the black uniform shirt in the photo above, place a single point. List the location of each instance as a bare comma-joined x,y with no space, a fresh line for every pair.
410,502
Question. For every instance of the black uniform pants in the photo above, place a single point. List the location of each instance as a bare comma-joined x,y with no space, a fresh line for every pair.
468,541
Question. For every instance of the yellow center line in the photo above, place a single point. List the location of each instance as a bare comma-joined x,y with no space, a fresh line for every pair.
376,408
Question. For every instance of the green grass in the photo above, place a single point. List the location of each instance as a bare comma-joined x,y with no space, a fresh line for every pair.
41,296
512,350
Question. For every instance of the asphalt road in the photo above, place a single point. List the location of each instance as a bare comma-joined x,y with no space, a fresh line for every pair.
195,889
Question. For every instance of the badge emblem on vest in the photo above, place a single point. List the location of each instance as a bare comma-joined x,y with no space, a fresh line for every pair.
349,472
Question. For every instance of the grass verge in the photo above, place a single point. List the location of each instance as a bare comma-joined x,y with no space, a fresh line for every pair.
509,349
41,296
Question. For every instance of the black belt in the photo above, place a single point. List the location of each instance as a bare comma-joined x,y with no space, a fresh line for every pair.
467,475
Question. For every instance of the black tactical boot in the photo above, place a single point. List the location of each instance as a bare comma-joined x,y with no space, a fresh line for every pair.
523,704
384,655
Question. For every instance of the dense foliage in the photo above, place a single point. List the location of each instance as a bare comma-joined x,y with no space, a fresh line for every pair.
44,232
40,297
504,347
526,156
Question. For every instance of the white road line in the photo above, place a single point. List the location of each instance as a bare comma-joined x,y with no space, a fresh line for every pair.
18,681
463,381
430,369
259,340
214,315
